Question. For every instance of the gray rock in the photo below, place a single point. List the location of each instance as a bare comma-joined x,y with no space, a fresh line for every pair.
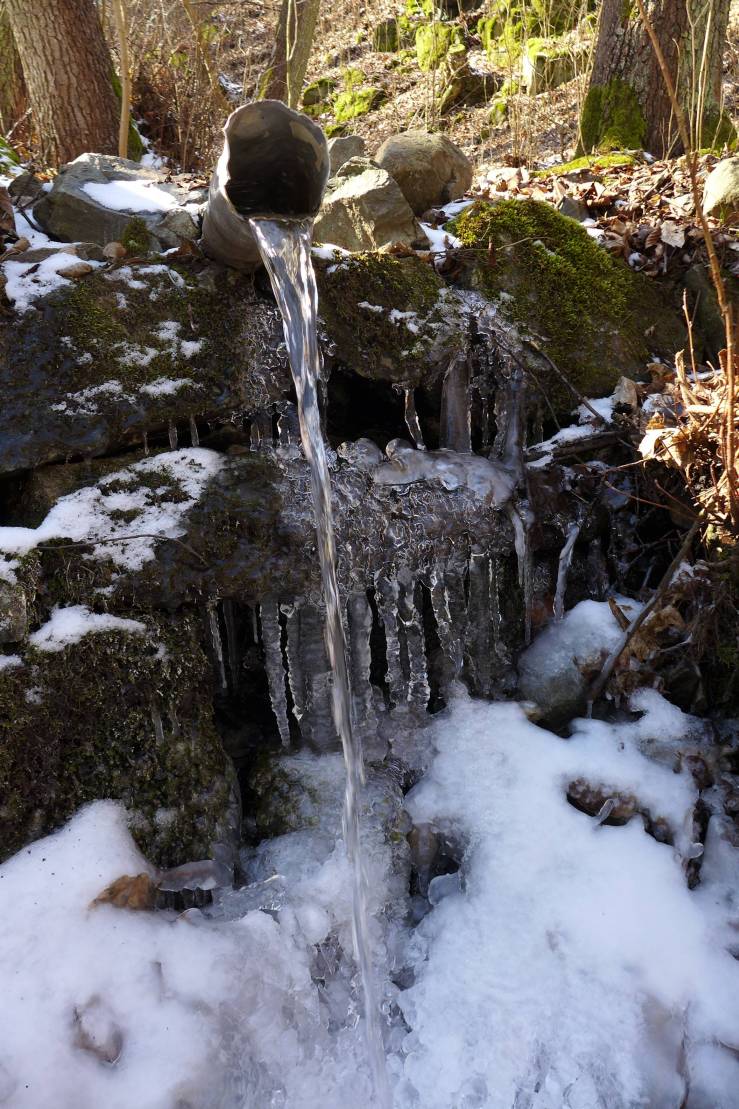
575,209
721,191
364,209
552,65
344,147
13,613
430,169
68,212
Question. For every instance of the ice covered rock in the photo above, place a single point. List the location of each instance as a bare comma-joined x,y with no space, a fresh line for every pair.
556,670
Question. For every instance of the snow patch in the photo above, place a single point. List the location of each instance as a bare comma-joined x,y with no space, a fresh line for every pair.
131,196
68,625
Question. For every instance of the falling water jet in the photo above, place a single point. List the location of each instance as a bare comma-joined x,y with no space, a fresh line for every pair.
285,246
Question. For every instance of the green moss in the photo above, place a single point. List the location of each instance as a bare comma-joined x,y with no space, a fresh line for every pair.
370,342
717,131
556,283
434,41
612,118
135,236
489,29
318,92
353,78
357,102
7,154
114,716
596,163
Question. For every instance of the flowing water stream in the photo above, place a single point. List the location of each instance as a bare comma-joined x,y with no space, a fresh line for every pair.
285,246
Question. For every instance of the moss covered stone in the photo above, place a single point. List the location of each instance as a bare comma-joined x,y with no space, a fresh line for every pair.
410,321
87,372
592,316
596,163
434,41
318,91
612,118
352,103
135,236
115,715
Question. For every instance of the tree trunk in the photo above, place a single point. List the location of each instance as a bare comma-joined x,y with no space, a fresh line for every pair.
12,88
293,42
68,72
627,105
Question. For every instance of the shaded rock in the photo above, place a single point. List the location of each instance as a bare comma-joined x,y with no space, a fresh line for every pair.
13,612
364,209
434,41
430,169
721,190
461,84
69,212
116,715
386,36
390,318
706,314
344,147
130,350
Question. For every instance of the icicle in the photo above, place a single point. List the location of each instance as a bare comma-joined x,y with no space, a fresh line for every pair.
449,632
172,436
294,667
156,719
496,616
455,431
386,595
215,636
360,658
315,667
520,519
565,559
194,437
146,444
273,664
479,621
232,650
411,420
288,427
411,622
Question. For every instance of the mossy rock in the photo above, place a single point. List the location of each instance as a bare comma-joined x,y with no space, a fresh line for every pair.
398,348
434,41
612,118
354,102
84,372
318,91
116,715
593,317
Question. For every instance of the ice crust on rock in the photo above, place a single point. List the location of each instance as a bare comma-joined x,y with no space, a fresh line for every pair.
92,514
68,625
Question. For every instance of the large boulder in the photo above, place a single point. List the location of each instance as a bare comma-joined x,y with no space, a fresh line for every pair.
94,198
588,317
721,191
430,169
364,209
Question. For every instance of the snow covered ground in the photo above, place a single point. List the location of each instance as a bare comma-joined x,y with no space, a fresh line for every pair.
566,963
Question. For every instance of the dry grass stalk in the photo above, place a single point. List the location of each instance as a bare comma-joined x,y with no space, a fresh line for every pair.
727,409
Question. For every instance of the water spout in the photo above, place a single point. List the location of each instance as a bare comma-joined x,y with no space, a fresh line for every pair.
274,163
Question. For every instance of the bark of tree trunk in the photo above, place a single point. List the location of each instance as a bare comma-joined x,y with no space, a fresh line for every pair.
12,87
293,41
627,105
68,72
